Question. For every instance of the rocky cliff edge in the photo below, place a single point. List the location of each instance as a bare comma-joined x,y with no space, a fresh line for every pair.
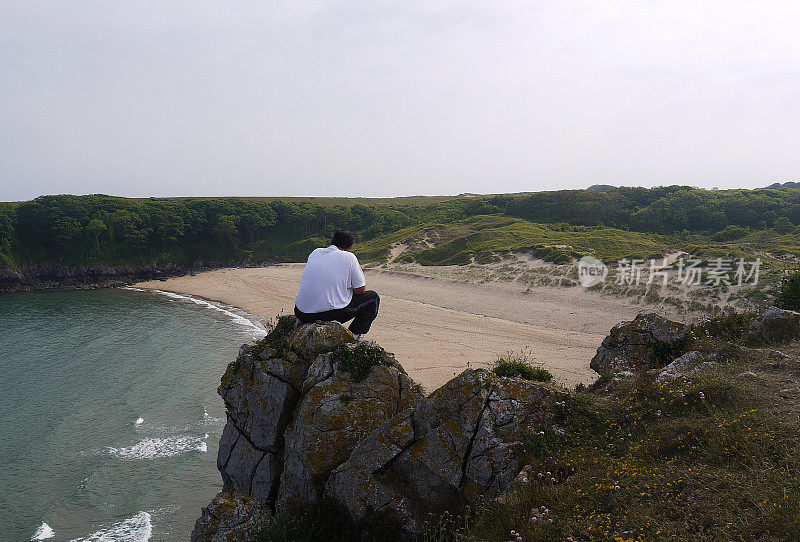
314,415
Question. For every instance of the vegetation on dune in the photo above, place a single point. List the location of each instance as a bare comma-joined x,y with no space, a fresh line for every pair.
557,226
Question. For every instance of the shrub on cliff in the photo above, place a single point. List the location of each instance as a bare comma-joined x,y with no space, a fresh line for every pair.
276,338
358,360
730,326
789,295
518,365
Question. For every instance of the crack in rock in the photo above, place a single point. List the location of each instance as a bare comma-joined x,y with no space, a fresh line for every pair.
471,442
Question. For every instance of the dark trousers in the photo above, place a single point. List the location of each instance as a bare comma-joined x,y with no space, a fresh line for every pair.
363,309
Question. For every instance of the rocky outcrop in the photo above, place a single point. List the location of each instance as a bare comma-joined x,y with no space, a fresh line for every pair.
459,445
774,325
334,416
231,516
312,414
295,415
641,344
688,363
55,276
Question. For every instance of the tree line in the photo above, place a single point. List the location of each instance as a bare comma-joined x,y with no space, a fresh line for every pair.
100,229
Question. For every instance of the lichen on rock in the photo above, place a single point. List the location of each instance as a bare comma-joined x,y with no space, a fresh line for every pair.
231,517
460,444
325,429
311,340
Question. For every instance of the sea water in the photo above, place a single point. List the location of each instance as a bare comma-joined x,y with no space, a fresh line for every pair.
109,417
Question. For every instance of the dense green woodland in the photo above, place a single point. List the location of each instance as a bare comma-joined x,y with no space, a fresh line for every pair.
612,223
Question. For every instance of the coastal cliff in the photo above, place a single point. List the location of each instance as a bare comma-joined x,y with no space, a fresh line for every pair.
328,438
314,415
55,276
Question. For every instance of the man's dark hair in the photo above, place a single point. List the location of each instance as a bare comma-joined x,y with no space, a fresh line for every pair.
343,239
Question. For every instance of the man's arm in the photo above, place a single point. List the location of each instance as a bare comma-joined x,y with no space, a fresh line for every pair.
357,277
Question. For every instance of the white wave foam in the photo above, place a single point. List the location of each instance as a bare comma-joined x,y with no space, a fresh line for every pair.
135,529
208,419
139,421
155,448
256,327
43,532
82,485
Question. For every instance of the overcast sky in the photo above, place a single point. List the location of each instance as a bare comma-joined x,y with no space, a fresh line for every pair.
375,98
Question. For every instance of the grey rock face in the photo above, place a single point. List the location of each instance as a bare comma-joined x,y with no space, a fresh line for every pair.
365,484
55,276
311,340
685,364
775,325
632,345
299,428
260,396
245,468
334,416
457,445
292,419
231,516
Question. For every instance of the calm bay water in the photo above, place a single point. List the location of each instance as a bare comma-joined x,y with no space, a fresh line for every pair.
109,418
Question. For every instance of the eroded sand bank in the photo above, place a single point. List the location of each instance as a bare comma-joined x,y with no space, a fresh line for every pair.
436,327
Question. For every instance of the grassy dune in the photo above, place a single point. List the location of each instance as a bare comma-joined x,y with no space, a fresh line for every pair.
482,238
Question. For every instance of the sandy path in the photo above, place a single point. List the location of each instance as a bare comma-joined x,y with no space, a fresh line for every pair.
435,327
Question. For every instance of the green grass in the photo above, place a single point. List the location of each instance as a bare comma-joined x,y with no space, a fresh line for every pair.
276,338
478,237
483,238
714,457
518,365
359,360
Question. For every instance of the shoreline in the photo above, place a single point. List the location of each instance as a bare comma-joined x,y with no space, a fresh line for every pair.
437,328
258,323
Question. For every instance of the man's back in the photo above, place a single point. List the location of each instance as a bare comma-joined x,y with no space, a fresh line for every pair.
328,280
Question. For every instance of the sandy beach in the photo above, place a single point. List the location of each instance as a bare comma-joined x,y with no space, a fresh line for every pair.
437,328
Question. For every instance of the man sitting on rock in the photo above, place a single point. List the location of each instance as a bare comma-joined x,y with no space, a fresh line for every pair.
333,287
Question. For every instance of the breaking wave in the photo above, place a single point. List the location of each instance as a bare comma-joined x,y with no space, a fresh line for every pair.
155,448
135,529
43,532
238,316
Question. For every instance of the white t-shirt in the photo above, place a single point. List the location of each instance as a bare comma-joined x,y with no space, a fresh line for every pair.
328,280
